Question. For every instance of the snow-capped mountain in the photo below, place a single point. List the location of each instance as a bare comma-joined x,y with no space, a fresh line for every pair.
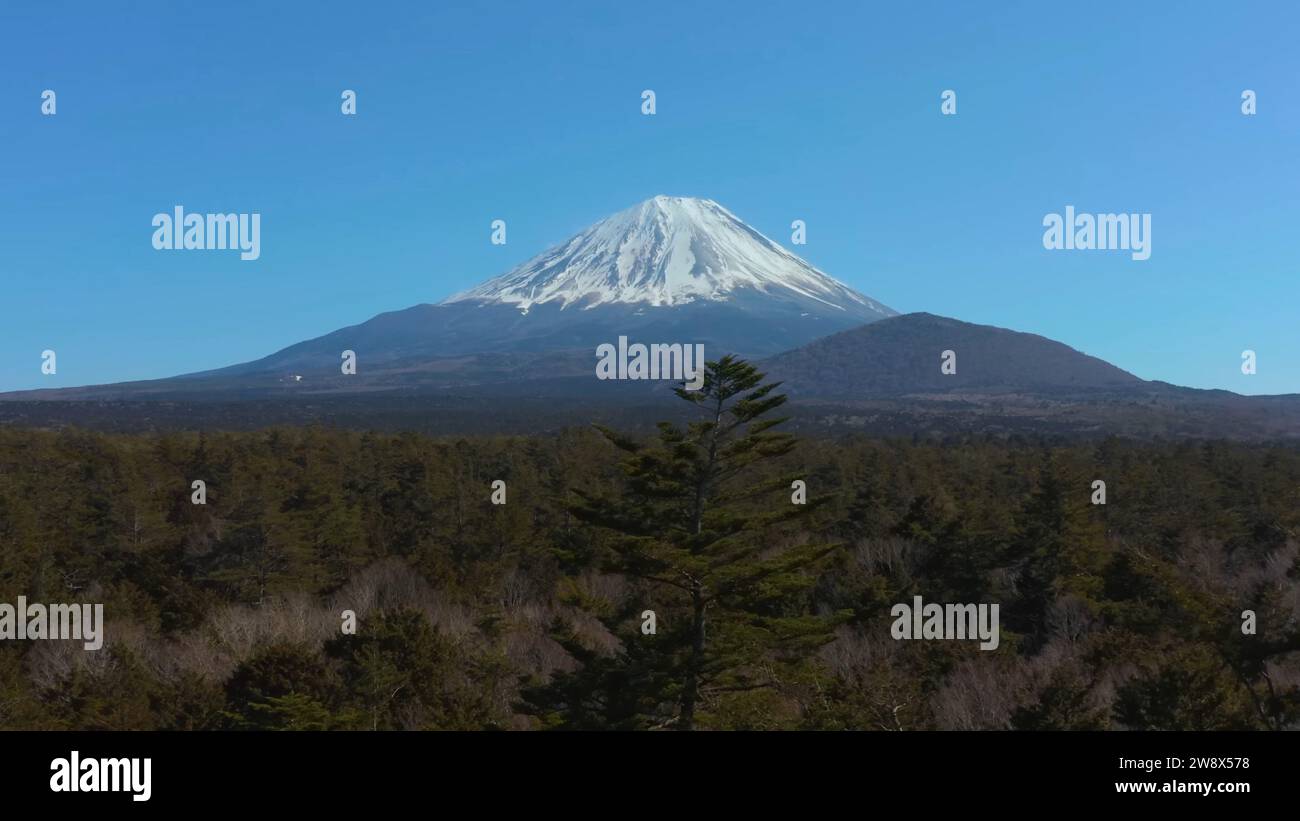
517,353
665,252
669,270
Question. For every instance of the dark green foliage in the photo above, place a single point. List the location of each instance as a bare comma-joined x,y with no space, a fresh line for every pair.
285,687
706,532
401,674
474,615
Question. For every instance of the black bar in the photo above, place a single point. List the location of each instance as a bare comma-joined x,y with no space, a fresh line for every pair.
331,771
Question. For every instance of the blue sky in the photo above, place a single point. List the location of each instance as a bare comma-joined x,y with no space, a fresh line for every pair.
530,112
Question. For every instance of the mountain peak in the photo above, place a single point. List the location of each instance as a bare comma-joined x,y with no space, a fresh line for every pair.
670,251
674,207
664,200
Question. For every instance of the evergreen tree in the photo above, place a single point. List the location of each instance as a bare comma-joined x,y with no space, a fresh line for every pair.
699,528
400,672
1059,549
285,686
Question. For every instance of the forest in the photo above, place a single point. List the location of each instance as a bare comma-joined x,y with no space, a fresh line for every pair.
503,582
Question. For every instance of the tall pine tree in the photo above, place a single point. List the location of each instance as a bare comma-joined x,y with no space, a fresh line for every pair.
699,528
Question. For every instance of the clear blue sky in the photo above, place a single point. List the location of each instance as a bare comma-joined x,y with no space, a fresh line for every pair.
530,112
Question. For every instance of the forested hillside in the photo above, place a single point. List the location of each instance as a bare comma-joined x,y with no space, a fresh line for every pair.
529,614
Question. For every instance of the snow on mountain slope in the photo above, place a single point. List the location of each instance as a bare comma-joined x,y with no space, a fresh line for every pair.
668,251
669,270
